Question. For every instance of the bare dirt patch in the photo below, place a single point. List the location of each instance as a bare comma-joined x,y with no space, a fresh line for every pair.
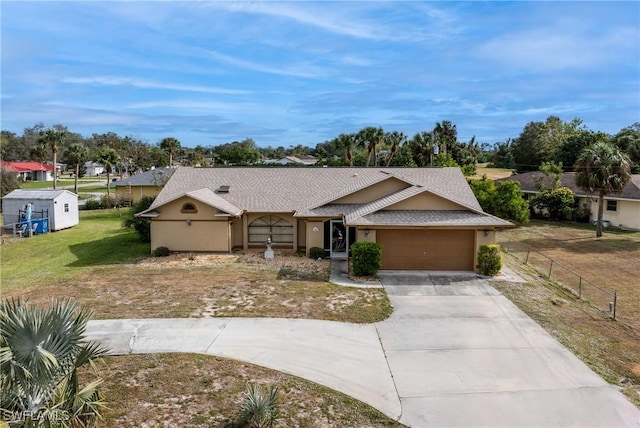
186,390
206,285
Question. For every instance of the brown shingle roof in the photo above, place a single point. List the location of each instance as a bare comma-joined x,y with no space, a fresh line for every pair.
309,192
528,182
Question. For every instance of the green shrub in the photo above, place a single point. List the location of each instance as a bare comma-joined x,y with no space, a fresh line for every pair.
140,225
259,407
490,259
161,252
366,258
92,204
316,253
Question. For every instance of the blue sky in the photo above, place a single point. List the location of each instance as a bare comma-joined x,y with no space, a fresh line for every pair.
288,73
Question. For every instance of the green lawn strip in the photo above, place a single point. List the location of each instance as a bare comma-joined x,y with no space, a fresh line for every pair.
99,239
29,185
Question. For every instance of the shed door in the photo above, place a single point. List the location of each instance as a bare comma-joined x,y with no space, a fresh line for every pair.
425,249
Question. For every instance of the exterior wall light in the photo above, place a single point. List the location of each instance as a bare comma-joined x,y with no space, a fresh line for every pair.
188,222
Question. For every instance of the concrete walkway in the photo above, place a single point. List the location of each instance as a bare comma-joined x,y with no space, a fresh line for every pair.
454,353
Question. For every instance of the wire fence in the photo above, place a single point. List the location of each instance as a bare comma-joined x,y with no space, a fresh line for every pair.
601,298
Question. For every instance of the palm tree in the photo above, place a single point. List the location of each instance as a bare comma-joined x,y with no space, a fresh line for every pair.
74,155
602,168
171,146
109,159
422,148
370,137
446,135
41,350
346,142
52,138
397,139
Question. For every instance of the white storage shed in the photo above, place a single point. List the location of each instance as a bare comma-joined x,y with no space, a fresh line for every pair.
60,206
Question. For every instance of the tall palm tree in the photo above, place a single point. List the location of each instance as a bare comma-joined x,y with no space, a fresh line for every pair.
446,135
345,142
370,137
41,350
422,148
397,139
602,168
54,139
109,159
74,155
171,146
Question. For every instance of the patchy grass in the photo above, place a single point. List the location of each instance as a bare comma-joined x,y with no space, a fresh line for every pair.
611,348
210,286
105,268
203,391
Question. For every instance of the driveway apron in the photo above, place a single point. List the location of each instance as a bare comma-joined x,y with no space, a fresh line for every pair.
463,355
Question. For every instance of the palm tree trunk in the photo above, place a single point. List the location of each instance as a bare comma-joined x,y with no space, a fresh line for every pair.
600,213
75,185
55,161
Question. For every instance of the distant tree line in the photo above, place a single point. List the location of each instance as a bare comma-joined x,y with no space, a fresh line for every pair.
551,141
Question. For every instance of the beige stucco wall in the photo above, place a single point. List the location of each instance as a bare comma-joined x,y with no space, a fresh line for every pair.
315,238
302,234
426,201
199,236
373,192
137,192
236,232
627,214
365,235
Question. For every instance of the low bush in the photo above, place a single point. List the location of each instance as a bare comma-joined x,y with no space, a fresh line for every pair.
490,259
366,258
316,253
161,252
92,204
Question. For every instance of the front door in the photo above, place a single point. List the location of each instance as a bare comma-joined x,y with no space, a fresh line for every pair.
339,240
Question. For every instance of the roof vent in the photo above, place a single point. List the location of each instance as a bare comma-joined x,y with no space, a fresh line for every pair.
223,189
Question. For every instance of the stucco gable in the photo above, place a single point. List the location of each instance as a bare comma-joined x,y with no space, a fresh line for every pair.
206,196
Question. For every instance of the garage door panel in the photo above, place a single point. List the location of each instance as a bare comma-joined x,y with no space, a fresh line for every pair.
424,249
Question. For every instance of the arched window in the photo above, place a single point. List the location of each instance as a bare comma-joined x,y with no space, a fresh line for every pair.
189,208
270,226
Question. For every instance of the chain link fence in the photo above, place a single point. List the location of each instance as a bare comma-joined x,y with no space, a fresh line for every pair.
603,299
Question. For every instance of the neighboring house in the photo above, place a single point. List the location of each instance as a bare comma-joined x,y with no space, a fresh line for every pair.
425,218
60,207
148,183
620,209
288,160
33,171
93,168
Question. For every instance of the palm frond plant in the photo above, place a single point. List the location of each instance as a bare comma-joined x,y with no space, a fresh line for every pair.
41,352
259,408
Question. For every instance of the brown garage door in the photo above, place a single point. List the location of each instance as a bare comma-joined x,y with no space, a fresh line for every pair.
426,249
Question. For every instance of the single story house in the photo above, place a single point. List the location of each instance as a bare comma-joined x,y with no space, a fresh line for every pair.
620,209
59,207
147,183
306,160
93,168
34,171
425,218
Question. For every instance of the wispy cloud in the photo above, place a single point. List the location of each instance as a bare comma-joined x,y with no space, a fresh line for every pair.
148,84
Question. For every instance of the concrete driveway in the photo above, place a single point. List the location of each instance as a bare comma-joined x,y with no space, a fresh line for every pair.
454,353
463,355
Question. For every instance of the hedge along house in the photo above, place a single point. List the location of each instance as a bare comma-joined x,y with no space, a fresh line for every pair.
59,207
425,218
